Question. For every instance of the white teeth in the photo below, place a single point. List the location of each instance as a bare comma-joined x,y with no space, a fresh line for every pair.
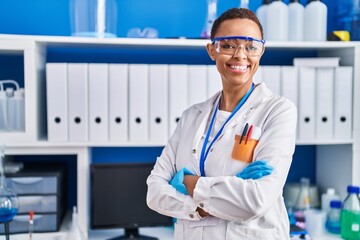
238,67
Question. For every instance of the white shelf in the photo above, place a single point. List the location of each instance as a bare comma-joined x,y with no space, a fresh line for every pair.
339,158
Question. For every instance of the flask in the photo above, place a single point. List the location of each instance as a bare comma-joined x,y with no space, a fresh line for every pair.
210,18
75,232
261,13
296,21
333,217
327,197
315,21
350,214
277,21
303,200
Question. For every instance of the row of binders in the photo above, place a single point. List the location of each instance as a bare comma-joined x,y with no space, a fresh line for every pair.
323,96
143,102
122,102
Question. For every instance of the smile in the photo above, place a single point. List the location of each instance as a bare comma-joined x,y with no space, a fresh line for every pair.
238,67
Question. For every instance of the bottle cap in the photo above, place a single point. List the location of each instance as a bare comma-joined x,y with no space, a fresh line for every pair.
353,189
335,204
330,191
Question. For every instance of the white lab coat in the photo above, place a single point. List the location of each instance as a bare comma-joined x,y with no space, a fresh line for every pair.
239,209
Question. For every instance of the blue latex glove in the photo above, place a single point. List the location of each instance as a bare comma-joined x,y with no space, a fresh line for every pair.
177,180
256,170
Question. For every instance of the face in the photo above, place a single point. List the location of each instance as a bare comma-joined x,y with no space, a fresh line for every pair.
236,70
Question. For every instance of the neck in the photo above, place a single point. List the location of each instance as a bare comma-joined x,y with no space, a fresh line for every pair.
231,98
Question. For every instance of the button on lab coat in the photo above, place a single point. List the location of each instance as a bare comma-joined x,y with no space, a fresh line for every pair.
239,209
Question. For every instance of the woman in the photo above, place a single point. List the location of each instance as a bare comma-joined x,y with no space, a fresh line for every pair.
219,190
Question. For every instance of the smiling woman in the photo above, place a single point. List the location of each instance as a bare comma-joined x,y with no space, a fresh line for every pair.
223,170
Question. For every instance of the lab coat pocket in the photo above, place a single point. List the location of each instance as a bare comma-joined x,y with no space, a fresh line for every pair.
244,150
236,232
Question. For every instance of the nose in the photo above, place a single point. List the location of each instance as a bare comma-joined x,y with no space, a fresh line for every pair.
240,52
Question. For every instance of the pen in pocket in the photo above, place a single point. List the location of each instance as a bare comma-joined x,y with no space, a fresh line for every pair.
248,135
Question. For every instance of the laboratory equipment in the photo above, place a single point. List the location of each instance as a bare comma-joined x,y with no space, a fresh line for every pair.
296,21
261,13
8,199
210,18
93,18
255,170
277,21
31,224
350,214
303,200
122,205
333,217
75,232
327,197
315,21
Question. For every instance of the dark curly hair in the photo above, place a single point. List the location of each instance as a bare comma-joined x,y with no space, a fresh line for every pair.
234,13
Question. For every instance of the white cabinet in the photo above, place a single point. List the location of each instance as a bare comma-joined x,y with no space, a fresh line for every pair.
337,162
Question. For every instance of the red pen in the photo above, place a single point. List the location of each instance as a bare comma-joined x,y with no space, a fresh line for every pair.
248,133
244,132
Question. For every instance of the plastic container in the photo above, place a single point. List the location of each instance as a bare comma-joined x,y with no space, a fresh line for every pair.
277,21
210,18
333,224
16,111
75,232
315,24
327,197
3,111
261,13
296,21
93,18
350,214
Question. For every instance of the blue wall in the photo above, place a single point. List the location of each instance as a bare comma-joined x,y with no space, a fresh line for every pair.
173,18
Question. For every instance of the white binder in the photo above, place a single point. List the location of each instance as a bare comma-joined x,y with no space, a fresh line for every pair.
139,102
343,102
178,86
78,102
159,102
197,84
289,81
118,102
324,103
214,83
306,123
258,76
272,78
98,102
57,101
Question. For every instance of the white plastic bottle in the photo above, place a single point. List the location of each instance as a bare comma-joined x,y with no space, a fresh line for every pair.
315,26
327,197
3,111
261,13
17,110
277,21
11,113
296,21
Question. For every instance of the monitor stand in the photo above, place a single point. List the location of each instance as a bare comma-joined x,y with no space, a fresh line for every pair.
133,234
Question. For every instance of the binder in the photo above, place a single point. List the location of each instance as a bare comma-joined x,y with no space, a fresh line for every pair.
159,103
138,102
78,102
324,113
306,123
118,102
57,101
214,83
343,93
272,77
289,81
98,102
178,95
197,84
258,76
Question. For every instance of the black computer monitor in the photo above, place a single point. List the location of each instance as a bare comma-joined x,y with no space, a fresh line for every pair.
118,199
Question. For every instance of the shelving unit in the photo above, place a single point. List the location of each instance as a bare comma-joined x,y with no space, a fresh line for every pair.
337,162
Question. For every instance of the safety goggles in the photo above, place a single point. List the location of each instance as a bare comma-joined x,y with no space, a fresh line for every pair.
229,45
